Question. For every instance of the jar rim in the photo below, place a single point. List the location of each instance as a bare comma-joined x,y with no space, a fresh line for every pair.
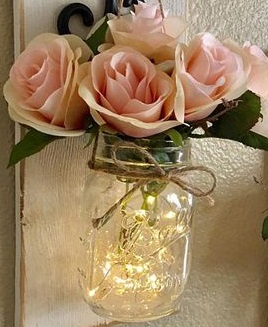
165,152
145,142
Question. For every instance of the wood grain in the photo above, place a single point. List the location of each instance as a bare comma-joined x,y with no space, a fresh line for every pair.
229,271
52,228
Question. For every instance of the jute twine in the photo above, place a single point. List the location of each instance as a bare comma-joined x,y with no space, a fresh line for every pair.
143,176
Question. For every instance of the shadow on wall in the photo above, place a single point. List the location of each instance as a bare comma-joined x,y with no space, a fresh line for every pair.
7,221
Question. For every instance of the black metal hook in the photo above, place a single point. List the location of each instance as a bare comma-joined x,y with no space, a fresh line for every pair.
111,5
128,3
70,10
87,15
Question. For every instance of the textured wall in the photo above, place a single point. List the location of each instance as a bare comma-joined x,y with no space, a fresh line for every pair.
6,176
241,20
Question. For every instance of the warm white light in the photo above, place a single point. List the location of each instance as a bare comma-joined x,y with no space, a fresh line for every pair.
140,215
139,269
170,215
153,278
125,270
151,200
119,280
129,267
92,293
180,228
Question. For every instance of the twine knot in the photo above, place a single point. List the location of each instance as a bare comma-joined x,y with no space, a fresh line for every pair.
156,171
173,174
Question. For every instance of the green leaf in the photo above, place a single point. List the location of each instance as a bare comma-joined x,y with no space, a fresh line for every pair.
98,37
88,123
255,140
33,142
161,156
155,187
238,121
175,136
265,229
93,132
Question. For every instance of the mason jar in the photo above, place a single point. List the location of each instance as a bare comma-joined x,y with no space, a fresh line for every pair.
138,249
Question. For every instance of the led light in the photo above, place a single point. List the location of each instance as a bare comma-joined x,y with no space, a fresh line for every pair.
153,278
151,200
170,215
134,267
140,269
140,215
92,292
129,267
180,228
119,280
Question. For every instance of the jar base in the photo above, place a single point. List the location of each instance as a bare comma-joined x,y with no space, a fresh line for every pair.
122,318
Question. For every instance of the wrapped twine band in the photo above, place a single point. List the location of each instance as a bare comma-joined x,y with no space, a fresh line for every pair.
156,172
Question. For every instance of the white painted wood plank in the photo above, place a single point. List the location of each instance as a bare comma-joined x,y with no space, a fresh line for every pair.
52,184
49,295
52,229
229,275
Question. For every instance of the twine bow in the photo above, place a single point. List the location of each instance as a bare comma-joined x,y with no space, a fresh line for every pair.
156,172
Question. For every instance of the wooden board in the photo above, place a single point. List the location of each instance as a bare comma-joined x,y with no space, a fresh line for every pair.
228,283
49,250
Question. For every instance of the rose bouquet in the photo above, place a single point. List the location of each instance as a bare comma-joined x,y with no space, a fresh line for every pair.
134,78
139,84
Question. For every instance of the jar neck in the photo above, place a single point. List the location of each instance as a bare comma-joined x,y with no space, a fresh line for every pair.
165,152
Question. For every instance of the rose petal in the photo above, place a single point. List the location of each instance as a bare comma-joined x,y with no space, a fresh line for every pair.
33,118
209,71
48,84
195,92
76,108
113,89
149,25
52,106
145,10
258,74
133,128
36,121
75,42
153,100
143,112
174,26
146,34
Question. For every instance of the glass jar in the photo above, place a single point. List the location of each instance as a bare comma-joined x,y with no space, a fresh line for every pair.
139,248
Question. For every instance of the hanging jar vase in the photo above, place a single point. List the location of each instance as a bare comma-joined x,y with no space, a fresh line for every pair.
139,246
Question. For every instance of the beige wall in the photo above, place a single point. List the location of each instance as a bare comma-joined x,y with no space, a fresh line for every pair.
6,176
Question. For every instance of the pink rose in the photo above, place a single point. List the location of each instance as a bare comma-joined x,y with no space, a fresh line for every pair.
125,90
258,74
209,72
42,88
147,31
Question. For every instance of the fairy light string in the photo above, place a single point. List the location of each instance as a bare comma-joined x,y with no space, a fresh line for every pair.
173,174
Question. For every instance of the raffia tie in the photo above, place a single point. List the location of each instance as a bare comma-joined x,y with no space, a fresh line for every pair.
156,172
